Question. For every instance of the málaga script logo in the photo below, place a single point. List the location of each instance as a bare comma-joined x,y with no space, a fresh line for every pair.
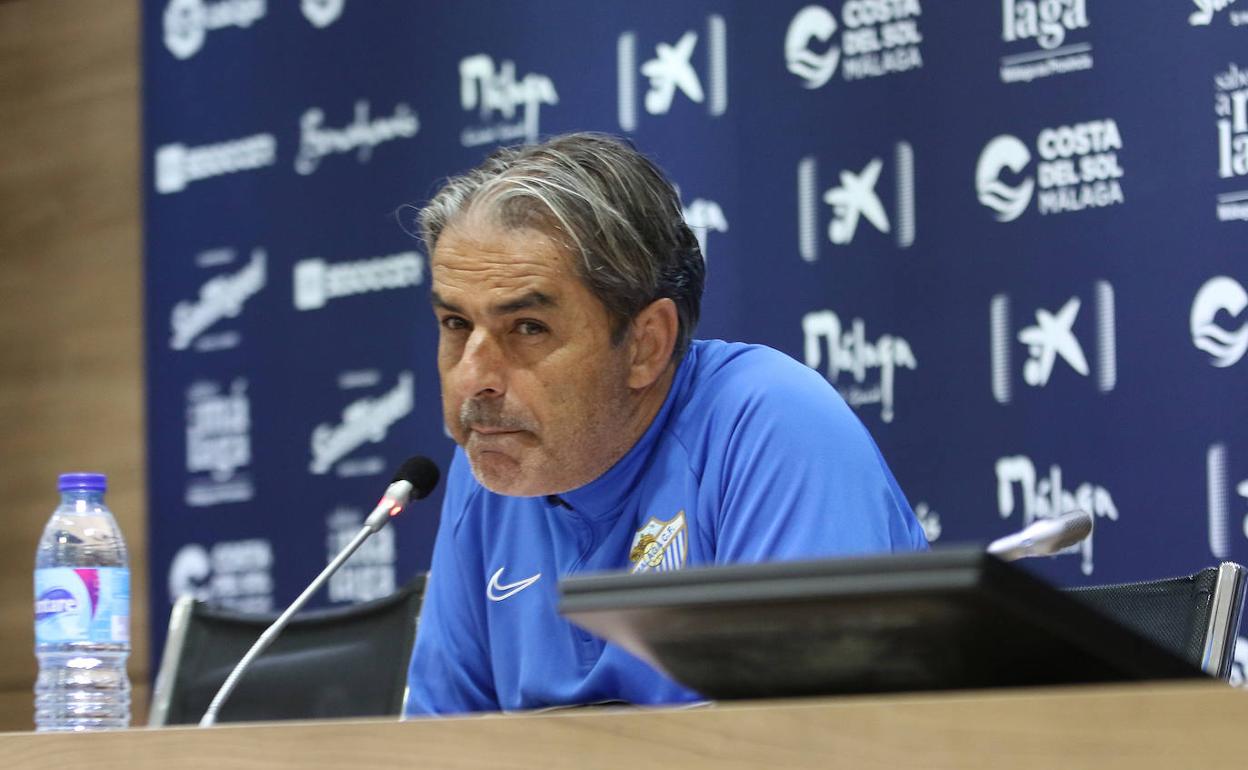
496,94
841,350
1045,497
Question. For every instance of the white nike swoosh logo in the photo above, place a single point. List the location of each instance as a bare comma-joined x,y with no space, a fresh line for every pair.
497,591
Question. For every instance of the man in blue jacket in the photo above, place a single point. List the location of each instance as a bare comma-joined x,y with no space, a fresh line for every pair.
596,434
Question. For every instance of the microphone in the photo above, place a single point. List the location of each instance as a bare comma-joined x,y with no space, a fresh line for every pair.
414,480
1043,537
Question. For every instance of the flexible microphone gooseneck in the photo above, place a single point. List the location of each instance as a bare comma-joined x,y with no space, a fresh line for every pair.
1043,537
414,480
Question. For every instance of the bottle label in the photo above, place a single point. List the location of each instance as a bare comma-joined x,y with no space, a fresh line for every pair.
91,604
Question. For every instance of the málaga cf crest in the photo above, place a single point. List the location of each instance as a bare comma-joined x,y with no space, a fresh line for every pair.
660,545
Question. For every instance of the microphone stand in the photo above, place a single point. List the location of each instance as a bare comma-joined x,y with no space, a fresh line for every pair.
389,506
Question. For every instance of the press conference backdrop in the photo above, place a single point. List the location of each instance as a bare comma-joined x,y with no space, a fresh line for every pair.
1010,233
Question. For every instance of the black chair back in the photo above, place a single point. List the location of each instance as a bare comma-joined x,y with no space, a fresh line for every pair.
341,662
1195,616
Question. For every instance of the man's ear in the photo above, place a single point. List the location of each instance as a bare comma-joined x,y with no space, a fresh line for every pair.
652,340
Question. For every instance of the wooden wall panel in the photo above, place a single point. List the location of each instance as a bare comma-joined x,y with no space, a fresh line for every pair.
71,386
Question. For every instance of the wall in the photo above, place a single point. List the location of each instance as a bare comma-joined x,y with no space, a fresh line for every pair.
70,369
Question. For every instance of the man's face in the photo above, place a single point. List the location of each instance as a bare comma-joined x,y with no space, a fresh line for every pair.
532,387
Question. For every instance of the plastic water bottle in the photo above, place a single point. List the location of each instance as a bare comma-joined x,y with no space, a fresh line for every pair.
82,613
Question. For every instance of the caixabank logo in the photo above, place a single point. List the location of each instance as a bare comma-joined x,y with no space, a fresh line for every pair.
1206,12
1053,36
186,23
1057,340
195,322
1230,106
1045,497
873,39
855,201
1226,488
672,71
366,419
1076,167
862,369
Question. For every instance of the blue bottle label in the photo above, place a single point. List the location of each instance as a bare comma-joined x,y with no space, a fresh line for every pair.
91,604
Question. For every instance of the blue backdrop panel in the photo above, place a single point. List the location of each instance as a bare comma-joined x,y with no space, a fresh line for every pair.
1010,233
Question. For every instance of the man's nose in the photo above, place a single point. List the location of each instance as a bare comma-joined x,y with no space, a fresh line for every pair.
483,367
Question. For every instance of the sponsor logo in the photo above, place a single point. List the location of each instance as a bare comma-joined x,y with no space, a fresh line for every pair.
53,602
855,200
177,165
1078,169
188,22
660,546
316,281
495,91
704,217
929,520
1220,296
1206,10
322,13
237,574
1230,105
369,573
219,298
218,444
365,420
1051,338
1227,501
360,136
843,351
877,38
1045,498
672,71
1045,24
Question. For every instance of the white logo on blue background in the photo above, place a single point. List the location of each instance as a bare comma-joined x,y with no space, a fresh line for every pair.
1220,295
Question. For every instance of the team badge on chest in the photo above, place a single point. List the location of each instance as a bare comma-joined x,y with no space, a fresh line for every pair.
660,545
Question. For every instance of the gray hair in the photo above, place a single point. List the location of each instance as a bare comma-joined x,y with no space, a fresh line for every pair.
607,204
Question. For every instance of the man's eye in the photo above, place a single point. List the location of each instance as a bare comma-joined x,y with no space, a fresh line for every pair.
530,328
454,323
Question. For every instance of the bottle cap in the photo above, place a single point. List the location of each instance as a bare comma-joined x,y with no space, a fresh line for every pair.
96,482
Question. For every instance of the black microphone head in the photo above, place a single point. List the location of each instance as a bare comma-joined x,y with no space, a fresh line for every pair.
421,473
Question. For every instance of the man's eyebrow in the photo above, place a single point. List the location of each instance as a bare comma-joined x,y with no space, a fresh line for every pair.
438,302
523,302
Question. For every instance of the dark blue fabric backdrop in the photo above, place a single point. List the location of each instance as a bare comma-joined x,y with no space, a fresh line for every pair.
1011,233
